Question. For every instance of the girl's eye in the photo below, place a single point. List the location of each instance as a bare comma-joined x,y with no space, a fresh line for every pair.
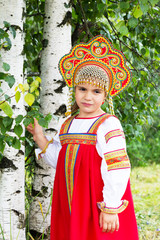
97,91
82,89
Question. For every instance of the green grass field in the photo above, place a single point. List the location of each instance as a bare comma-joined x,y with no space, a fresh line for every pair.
145,183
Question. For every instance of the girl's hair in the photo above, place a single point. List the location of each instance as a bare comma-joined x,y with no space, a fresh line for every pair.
74,108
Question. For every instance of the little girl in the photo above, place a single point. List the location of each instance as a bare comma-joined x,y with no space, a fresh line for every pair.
91,198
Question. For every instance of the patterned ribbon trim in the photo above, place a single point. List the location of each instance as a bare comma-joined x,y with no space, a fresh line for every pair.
66,125
98,122
117,159
71,138
121,208
114,133
70,161
45,148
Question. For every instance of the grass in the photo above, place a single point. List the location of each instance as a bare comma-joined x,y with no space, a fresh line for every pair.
145,183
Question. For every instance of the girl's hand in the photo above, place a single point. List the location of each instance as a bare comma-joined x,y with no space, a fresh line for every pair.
109,222
37,132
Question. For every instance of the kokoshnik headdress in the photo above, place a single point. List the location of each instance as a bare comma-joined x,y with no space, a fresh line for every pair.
96,63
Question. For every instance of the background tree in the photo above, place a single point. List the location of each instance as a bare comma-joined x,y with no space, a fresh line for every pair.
56,42
12,214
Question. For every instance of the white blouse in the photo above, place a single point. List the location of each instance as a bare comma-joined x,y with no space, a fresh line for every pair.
110,141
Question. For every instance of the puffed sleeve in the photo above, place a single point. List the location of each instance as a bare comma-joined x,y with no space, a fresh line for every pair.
51,152
115,167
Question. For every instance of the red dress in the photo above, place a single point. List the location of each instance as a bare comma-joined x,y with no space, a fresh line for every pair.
78,187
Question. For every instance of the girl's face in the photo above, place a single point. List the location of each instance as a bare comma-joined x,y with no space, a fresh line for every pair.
89,99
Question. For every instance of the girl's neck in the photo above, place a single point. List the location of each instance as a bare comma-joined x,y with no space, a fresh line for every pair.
90,115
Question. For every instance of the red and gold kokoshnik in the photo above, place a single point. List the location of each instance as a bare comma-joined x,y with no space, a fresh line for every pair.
98,51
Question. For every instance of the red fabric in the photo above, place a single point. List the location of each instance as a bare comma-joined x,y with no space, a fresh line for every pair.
83,222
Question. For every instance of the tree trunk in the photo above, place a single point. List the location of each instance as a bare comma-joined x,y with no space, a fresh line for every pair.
12,202
53,100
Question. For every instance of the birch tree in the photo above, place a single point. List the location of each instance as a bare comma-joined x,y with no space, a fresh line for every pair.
57,36
12,205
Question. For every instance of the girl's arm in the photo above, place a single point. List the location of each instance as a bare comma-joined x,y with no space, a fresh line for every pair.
48,148
115,170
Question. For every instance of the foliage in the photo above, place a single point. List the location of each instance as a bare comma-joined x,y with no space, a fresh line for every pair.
8,121
145,189
132,27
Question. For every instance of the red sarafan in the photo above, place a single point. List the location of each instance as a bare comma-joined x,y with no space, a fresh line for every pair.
78,187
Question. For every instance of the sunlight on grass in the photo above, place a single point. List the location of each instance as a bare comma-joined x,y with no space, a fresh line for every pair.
145,183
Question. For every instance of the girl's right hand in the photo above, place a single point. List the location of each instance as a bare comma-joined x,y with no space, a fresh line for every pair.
37,132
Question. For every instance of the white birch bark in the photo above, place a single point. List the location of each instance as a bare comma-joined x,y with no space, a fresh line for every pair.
53,100
12,202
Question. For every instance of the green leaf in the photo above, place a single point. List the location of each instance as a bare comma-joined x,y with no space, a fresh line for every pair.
43,122
6,24
133,22
16,143
2,145
120,24
7,98
17,96
137,12
27,121
9,140
10,80
154,2
48,117
12,31
143,51
144,6
3,75
7,121
18,119
29,98
123,30
6,108
18,130
6,67
124,5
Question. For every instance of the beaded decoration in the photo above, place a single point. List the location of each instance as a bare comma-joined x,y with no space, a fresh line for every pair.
95,62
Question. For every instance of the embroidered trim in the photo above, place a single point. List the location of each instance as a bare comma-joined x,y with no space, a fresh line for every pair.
114,133
66,125
97,123
70,160
71,138
45,148
117,159
121,208
92,130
